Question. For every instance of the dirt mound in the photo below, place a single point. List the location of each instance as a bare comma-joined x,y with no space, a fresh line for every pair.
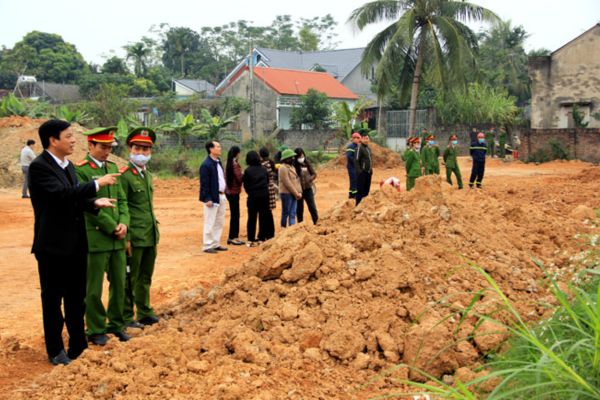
589,174
383,158
15,131
324,309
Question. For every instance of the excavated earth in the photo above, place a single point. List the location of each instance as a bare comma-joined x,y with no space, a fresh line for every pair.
329,311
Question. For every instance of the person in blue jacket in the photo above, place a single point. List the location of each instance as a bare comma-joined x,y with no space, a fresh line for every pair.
212,194
478,150
350,156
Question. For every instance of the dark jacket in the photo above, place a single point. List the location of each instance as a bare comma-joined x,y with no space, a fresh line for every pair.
58,206
256,181
363,161
236,180
209,180
350,156
478,151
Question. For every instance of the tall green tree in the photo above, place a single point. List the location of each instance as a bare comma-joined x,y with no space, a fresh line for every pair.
45,55
314,110
138,52
425,35
115,65
186,54
503,60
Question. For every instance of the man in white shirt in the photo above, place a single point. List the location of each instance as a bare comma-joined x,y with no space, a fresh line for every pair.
27,156
212,194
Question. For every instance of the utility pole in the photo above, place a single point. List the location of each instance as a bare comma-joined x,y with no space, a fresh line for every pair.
252,99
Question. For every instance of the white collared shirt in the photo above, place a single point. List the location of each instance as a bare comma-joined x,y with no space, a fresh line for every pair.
61,163
98,163
221,177
140,169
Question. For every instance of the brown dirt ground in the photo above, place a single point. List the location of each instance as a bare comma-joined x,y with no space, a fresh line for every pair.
281,327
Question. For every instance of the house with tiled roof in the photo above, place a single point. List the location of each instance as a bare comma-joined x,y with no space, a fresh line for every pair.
191,87
343,64
276,91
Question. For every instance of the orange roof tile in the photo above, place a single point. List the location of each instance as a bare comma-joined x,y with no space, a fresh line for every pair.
295,82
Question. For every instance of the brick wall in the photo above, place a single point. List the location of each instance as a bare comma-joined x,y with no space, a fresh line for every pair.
582,144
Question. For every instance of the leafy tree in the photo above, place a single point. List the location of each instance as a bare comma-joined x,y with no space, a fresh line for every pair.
212,126
91,84
45,55
160,77
539,52
115,65
138,52
347,118
109,104
185,53
503,61
324,30
309,41
426,35
314,110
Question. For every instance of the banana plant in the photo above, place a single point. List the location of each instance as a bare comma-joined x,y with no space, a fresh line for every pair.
182,127
77,116
212,126
347,118
10,105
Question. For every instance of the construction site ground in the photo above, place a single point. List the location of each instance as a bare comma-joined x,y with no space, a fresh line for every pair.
182,267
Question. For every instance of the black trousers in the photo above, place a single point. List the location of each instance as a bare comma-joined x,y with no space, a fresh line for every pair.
477,173
63,279
308,197
363,185
234,215
258,206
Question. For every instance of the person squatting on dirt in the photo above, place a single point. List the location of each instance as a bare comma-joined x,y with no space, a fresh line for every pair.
350,155
212,194
290,188
106,234
59,238
478,150
143,235
430,156
451,162
307,175
256,185
412,162
233,188
364,167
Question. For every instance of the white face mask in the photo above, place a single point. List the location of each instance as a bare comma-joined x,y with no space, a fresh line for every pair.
301,160
139,159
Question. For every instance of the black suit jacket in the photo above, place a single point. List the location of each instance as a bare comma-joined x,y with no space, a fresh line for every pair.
58,206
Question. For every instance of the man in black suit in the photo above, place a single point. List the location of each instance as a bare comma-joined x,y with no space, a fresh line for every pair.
59,242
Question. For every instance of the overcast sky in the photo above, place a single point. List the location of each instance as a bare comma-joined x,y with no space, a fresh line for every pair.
97,27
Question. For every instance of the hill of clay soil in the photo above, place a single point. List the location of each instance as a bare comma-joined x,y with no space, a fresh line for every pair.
324,309
14,133
383,158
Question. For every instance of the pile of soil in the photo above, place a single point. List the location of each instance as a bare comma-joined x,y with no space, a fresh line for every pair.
324,309
14,133
383,158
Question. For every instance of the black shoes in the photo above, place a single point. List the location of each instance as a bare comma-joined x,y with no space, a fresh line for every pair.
210,251
61,358
148,320
135,325
215,249
123,337
235,242
98,340
221,248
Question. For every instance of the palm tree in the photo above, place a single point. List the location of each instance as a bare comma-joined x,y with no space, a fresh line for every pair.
425,33
139,52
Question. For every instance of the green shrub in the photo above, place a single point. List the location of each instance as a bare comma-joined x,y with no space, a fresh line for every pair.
554,150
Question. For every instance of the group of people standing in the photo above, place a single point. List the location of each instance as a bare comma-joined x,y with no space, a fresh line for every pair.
291,177
92,219
424,159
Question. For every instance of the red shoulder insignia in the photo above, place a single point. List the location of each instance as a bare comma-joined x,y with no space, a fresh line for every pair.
134,171
81,163
123,169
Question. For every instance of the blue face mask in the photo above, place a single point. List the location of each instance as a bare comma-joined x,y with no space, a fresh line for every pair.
455,142
481,140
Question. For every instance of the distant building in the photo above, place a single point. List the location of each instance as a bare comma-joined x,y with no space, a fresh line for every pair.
191,87
58,93
344,65
277,91
568,76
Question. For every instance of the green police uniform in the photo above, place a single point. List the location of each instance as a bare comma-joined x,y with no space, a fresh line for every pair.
412,163
502,144
143,235
450,154
106,253
431,161
490,139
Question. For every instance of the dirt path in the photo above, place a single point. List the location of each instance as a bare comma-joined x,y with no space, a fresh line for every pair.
181,265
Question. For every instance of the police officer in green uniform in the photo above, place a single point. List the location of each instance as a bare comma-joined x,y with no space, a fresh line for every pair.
430,156
143,234
412,162
490,138
106,233
502,143
450,160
